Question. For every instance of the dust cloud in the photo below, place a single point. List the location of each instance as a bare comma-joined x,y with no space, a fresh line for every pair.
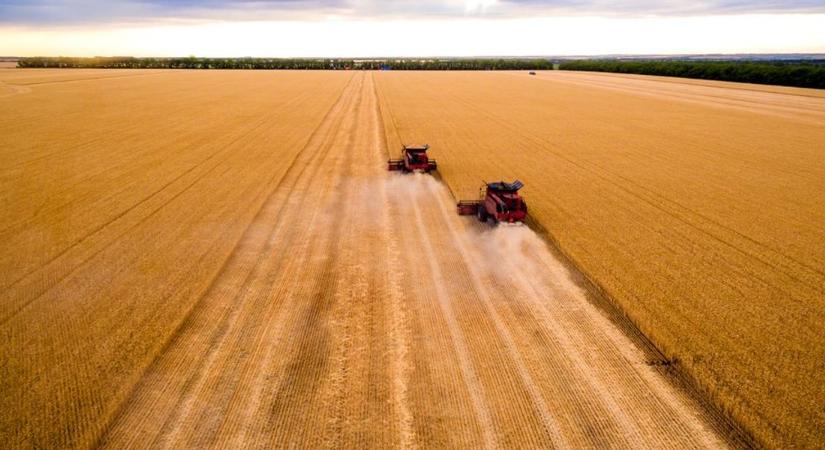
510,254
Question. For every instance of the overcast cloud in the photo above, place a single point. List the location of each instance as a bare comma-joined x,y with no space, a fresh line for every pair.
57,12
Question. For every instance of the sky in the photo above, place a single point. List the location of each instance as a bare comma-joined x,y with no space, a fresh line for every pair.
364,28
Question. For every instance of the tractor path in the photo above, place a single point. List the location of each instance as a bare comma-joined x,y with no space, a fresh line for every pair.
359,311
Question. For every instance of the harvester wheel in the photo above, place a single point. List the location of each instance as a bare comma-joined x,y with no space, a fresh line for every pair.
482,214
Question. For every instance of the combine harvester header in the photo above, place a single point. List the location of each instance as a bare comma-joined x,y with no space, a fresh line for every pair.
499,200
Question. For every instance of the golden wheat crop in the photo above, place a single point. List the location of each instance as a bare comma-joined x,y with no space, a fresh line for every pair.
219,259
697,206
122,196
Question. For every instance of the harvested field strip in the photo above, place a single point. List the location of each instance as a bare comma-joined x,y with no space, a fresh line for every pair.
698,219
190,249
296,194
626,427
290,292
580,413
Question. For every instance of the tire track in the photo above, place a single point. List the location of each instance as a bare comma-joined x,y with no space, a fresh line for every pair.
550,422
303,372
622,356
578,327
269,279
468,371
397,318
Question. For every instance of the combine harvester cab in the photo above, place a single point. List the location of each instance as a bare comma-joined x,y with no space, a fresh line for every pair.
413,159
499,200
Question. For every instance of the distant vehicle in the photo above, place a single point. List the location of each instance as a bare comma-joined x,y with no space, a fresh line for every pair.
532,73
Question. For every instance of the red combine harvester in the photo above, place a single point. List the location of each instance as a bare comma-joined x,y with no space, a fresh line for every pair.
413,159
499,200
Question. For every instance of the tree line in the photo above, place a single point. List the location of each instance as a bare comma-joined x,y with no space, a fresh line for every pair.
786,73
793,73
290,63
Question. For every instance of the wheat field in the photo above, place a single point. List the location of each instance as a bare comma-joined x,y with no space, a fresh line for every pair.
121,201
219,259
699,207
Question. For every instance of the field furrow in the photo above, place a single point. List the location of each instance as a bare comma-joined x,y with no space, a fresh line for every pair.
693,205
177,248
229,264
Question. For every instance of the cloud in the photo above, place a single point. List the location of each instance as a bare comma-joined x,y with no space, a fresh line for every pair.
667,7
92,11
56,12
